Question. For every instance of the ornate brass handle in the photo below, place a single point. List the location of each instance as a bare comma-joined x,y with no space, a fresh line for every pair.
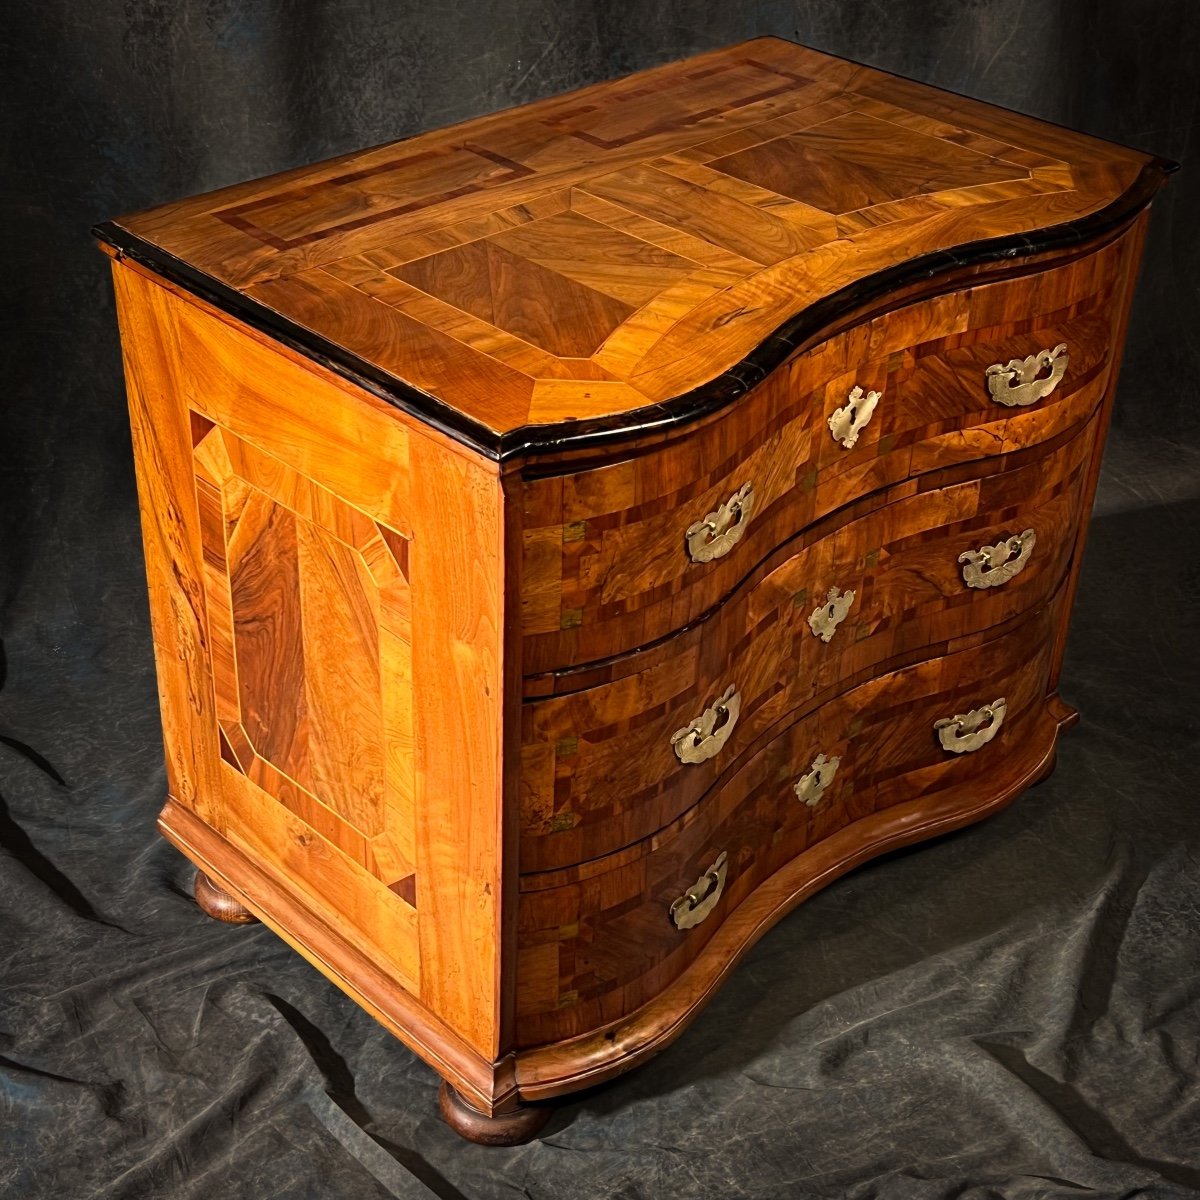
990,566
699,740
968,731
811,787
701,898
1019,381
829,614
721,530
847,422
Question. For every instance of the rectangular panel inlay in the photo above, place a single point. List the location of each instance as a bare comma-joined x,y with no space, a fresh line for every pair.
309,619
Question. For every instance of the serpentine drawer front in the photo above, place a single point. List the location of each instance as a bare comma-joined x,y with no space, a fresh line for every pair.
600,767
573,974
608,558
575,535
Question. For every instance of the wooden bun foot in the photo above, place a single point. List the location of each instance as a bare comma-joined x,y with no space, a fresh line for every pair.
219,904
504,1129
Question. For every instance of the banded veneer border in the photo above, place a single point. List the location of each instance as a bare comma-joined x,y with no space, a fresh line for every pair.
534,441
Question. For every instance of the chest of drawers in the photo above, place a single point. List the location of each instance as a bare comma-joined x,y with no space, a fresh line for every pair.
577,535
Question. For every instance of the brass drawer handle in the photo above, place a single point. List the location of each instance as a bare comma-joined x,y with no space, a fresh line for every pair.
720,531
968,731
829,614
851,419
1019,381
811,787
699,740
701,898
990,566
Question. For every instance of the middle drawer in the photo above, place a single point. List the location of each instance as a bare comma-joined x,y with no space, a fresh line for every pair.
608,764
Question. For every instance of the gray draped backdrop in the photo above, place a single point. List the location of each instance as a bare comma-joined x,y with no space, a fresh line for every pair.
1010,1012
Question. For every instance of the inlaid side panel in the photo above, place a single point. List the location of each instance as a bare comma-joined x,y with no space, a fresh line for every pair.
158,419
308,591
311,634
607,564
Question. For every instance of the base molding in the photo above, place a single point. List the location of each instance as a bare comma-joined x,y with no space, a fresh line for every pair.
484,1100
486,1085
547,1072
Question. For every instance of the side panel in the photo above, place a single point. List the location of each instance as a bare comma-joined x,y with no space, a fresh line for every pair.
326,584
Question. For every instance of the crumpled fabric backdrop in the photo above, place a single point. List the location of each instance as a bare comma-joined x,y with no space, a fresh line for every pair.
1011,1012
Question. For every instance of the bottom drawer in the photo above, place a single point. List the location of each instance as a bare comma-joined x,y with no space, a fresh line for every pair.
598,940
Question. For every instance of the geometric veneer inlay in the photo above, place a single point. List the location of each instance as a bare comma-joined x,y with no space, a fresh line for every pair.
308,608
420,434
857,161
526,279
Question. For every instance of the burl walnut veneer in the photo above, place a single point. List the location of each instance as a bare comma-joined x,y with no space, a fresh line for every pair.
577,535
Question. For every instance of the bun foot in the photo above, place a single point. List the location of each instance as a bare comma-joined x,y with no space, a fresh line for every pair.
219,904
504,1129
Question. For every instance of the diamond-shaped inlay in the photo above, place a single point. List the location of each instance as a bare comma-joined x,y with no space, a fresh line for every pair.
563,282
856,161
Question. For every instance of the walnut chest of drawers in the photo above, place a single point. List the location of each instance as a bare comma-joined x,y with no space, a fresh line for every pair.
576,535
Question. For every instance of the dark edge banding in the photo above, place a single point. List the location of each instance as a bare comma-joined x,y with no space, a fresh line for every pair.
419,404
530,441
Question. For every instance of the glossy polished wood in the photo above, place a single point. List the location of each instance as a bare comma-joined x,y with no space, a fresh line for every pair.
278,535
598,1056
598,768
427,690
511,1127
604,565
596,253
594,944
219,904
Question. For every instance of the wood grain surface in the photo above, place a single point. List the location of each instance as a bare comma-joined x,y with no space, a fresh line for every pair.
422,698
596,941
605,564
607,1051
598,769
606,250
307,592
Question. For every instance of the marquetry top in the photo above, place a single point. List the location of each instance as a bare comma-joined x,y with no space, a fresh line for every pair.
579,261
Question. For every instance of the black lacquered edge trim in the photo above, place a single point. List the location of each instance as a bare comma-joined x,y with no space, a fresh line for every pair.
532,440
529,441
425,407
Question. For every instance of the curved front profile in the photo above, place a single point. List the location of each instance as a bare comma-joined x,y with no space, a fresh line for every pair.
576,925
577,534
608,763
618,555
892,616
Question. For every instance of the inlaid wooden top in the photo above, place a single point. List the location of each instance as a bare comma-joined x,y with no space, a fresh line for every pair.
583,262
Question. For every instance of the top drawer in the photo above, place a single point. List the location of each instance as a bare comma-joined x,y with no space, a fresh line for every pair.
620,555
